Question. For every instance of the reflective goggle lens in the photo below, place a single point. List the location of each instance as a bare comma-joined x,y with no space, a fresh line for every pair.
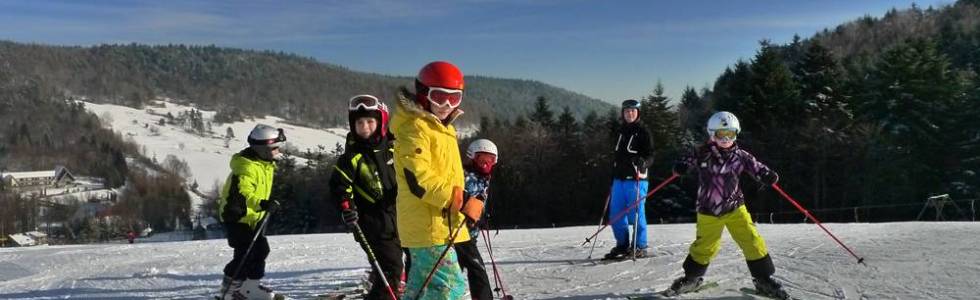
445,97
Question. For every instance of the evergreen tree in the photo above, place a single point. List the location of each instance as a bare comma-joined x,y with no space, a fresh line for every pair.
661,121
542,113
693,114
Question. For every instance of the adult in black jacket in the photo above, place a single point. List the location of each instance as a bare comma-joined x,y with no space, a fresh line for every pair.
632,155
364,189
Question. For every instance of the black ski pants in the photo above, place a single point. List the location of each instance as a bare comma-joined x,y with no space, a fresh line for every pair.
239,238
388,252
471,261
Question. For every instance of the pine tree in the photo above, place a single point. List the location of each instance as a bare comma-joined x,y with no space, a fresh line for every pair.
693,114
542,113
915,104
661,122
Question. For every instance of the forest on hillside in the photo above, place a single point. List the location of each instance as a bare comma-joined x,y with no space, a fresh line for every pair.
239,83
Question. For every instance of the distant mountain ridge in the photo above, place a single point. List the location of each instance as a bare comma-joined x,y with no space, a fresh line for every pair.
239,83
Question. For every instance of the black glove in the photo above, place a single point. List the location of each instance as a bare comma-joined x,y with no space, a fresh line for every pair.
350,216
680,168
269,205
639,163
769,177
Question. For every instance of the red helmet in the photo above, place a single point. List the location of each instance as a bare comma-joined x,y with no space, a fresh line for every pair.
438,74
441,74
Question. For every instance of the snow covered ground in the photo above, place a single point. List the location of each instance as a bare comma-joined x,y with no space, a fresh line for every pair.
207,156
913,260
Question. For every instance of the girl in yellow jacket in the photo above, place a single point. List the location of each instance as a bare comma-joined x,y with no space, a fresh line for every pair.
430,180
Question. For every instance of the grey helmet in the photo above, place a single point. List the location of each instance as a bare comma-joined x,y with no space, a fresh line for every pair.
264,138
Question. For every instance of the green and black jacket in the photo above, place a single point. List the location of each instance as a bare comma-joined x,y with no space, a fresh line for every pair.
365,173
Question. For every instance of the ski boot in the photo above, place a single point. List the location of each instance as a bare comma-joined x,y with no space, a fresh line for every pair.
640,253
770,288
683,285
225,285
251,289
617,253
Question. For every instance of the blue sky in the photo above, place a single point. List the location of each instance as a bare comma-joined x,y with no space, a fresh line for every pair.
611,50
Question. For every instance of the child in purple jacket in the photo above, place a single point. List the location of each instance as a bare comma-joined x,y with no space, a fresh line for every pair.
720,205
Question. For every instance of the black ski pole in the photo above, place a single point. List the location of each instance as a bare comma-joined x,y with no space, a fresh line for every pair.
260,231
362,239
373,260
601,218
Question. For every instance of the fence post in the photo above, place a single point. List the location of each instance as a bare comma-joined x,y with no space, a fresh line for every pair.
856,215
770,219
973,212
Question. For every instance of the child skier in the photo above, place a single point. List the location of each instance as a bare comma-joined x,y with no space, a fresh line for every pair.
429,173
720,205
244,204
633,154
363,187
482,156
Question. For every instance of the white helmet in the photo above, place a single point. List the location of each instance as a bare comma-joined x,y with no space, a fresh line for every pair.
481,145
723,120
264,138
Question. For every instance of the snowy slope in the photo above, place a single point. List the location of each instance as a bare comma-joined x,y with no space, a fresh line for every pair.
207,157
905,261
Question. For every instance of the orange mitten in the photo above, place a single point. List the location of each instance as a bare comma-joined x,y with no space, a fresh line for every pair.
456,203
473,208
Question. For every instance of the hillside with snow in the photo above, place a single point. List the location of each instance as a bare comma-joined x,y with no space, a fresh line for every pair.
913,260
206,155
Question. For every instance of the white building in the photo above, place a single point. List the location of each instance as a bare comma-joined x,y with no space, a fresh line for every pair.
37,180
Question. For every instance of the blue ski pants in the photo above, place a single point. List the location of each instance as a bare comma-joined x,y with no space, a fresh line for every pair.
624,194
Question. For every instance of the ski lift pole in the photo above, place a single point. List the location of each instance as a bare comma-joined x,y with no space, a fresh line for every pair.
815,220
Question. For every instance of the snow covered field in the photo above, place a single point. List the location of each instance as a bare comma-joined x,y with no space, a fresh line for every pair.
913,260
207,157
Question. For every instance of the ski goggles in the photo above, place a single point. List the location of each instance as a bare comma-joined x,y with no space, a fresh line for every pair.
441,97
278,142
367,102
725,134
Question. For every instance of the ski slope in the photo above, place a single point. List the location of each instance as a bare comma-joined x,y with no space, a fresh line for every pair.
206,156
911,260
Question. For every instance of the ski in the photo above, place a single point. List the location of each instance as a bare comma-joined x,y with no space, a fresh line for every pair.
666,293
275,297
754,292
606,261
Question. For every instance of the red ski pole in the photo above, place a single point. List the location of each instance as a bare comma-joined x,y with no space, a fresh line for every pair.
452,241
807,213
635,204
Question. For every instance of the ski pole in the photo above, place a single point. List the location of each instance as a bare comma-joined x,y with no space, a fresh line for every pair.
601,218
485,231
260,231
362,239
496,273
815,220
452,241
623,212
636,218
